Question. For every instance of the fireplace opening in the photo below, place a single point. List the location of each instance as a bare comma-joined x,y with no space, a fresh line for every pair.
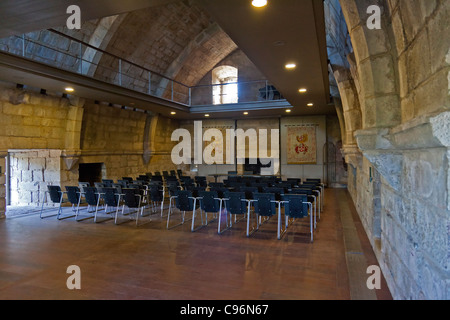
90,172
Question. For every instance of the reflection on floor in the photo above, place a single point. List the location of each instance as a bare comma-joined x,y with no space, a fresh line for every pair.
151,262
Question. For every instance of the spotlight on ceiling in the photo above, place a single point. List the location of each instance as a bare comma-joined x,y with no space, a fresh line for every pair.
290,66
259,3
302,90
69,89
310,104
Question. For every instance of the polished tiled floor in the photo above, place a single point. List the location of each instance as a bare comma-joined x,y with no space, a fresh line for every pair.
151,262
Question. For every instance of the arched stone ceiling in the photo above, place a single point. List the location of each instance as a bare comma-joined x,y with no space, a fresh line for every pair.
177,40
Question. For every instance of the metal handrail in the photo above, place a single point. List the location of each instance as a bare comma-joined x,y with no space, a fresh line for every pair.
167,88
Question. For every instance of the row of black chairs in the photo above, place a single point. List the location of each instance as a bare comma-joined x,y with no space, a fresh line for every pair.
138,195
110,200
248,202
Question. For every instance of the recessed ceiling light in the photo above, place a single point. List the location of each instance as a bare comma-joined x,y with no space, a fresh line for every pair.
173,113
288,110
259,3
310,104
290,66
302,90
70,89
207,115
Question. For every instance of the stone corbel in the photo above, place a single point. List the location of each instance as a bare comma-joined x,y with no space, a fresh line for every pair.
70,159
352,155
377,147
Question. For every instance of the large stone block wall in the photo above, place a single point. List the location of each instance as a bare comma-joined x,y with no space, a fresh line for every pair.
397,149
31,172
48,136
115,137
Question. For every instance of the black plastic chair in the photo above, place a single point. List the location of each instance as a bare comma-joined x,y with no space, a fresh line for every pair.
311,198
74,197
318,189
184,202
92,199
56,196
239,204
210,202
110,198
132,199
200,181
155,195
264,204
295,207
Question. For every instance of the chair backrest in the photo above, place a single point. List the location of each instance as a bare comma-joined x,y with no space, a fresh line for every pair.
55,193
235,205
156,193
195,190
99,185
278,192
216,185
208,202
110,197
124,183
83,185
307,191
200,181
73,194
107,183
297,206
264,205
220,191
294,181
157,178
131,197
183,200
118,187
90,196
249,192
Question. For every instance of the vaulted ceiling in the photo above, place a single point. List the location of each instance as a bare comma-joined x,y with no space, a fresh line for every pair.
184,40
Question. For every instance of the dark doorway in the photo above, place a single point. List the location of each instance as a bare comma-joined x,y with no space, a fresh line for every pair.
90,172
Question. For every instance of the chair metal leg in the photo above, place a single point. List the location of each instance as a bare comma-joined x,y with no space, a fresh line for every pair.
106,212
219,224
44,200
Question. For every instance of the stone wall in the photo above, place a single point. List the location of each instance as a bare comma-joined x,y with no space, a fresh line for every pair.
31,172
398,80
48,136
115,137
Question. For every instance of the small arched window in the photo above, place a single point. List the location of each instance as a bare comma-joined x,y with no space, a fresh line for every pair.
225,88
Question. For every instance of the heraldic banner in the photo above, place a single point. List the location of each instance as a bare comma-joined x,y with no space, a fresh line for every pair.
301,145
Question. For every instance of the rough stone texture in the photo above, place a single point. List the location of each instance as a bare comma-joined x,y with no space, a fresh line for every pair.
60,133
401,80
31,172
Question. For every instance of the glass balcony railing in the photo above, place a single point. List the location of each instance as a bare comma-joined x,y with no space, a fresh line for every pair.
62,51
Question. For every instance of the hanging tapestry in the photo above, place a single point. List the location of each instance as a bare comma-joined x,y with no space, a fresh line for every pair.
301,145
